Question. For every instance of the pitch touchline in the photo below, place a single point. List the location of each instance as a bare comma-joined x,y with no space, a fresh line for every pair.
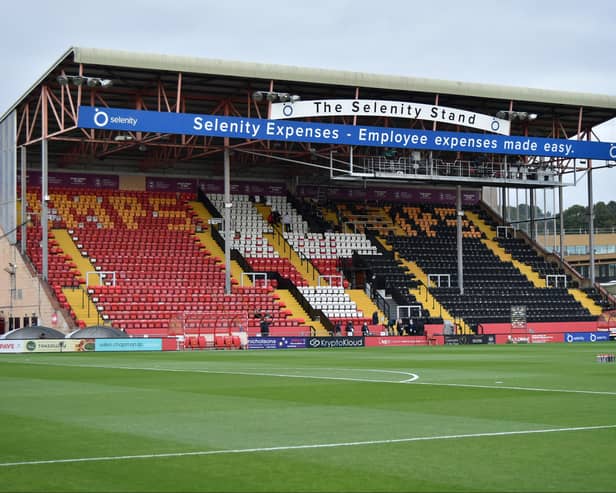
413,377
511,387
410,377
303,447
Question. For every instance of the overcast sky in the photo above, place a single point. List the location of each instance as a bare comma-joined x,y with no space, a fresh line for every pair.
548,44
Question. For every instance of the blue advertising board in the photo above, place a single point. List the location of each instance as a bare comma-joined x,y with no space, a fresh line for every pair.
327,133
586,336
336,342
276,342
128,344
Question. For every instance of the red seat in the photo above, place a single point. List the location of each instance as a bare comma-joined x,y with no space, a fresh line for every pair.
236,342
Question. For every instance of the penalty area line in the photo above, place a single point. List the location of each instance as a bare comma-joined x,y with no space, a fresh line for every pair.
304,447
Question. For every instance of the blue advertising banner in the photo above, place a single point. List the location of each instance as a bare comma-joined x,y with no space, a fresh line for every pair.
586,336
327,133
276,342
128,344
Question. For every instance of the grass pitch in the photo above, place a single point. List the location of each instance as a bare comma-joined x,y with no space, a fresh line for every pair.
468,418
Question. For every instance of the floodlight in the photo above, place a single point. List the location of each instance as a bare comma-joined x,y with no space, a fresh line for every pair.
516,115
273,96
79,80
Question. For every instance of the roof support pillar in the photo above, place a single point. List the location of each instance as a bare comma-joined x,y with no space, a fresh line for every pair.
44,189
591,222
24,203
459,214
227,217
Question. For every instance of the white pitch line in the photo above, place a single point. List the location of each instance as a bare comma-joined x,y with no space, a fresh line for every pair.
413,377
303,447
530,389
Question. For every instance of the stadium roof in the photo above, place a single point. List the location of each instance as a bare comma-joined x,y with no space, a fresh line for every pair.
211,86
93,56
172,63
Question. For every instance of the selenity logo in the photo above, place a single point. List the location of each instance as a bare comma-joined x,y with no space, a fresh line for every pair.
287,110
101,119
